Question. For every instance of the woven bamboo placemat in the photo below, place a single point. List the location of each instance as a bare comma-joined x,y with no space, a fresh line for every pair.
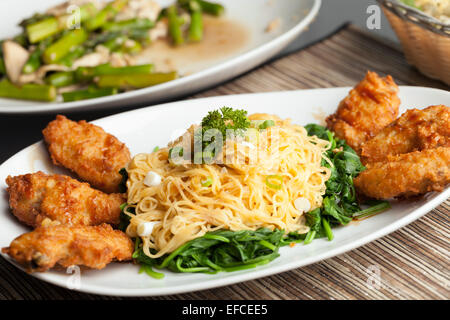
412,263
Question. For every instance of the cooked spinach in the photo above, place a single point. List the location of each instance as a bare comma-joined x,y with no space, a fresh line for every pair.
340,204
222,250
225,250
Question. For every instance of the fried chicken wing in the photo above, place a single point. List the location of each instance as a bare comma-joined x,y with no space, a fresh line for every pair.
368,108
38,197
415,130
91,246
406,175
86,149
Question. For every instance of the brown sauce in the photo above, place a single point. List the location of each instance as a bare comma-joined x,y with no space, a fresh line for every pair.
222,38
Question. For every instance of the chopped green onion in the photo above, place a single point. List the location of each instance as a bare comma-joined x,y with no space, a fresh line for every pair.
155,149
175,153
274,177
123,205
266,124
207,182
176,150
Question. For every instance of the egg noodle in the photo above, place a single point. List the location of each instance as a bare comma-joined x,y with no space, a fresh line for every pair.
256,186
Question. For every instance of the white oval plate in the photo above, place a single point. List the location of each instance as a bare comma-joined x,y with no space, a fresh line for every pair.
254,15
143,129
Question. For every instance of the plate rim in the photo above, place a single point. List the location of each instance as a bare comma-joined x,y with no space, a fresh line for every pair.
244,276
279,41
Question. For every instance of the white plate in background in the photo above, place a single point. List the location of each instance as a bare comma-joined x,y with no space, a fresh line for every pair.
254,16
143,129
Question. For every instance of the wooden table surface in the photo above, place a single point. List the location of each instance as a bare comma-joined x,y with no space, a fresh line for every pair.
412,263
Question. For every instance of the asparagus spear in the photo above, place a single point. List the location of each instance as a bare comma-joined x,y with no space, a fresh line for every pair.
212,8
63,46
88,73
141,35
2,66
138,69
105,14
49,26
61,79
34,61
2,62
86,12
34,18
115,43
88,94
196,26
174,25
127,81
135,23
73,55
208,7
29,91
42,29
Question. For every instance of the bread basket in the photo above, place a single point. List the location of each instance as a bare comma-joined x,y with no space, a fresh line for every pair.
425,40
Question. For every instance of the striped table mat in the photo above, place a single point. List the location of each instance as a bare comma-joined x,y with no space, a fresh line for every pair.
412,263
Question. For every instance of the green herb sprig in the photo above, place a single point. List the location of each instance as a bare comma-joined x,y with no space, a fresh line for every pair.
225,250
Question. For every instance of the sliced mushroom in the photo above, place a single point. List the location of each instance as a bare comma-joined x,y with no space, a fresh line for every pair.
159,31
140,9
121,60
100,56
15,57
39,75
73,87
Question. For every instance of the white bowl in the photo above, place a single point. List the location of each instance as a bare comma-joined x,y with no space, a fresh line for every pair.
254,15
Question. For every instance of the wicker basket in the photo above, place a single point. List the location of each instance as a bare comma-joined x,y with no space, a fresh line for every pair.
425,40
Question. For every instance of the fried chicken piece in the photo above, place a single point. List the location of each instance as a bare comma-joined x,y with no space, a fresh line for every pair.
38,197
406,175
415,130
86,149
91,246
368,108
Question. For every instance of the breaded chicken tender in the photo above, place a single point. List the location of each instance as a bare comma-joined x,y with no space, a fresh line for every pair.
415,130
86,149
368,108
91,246
37,197
406,175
